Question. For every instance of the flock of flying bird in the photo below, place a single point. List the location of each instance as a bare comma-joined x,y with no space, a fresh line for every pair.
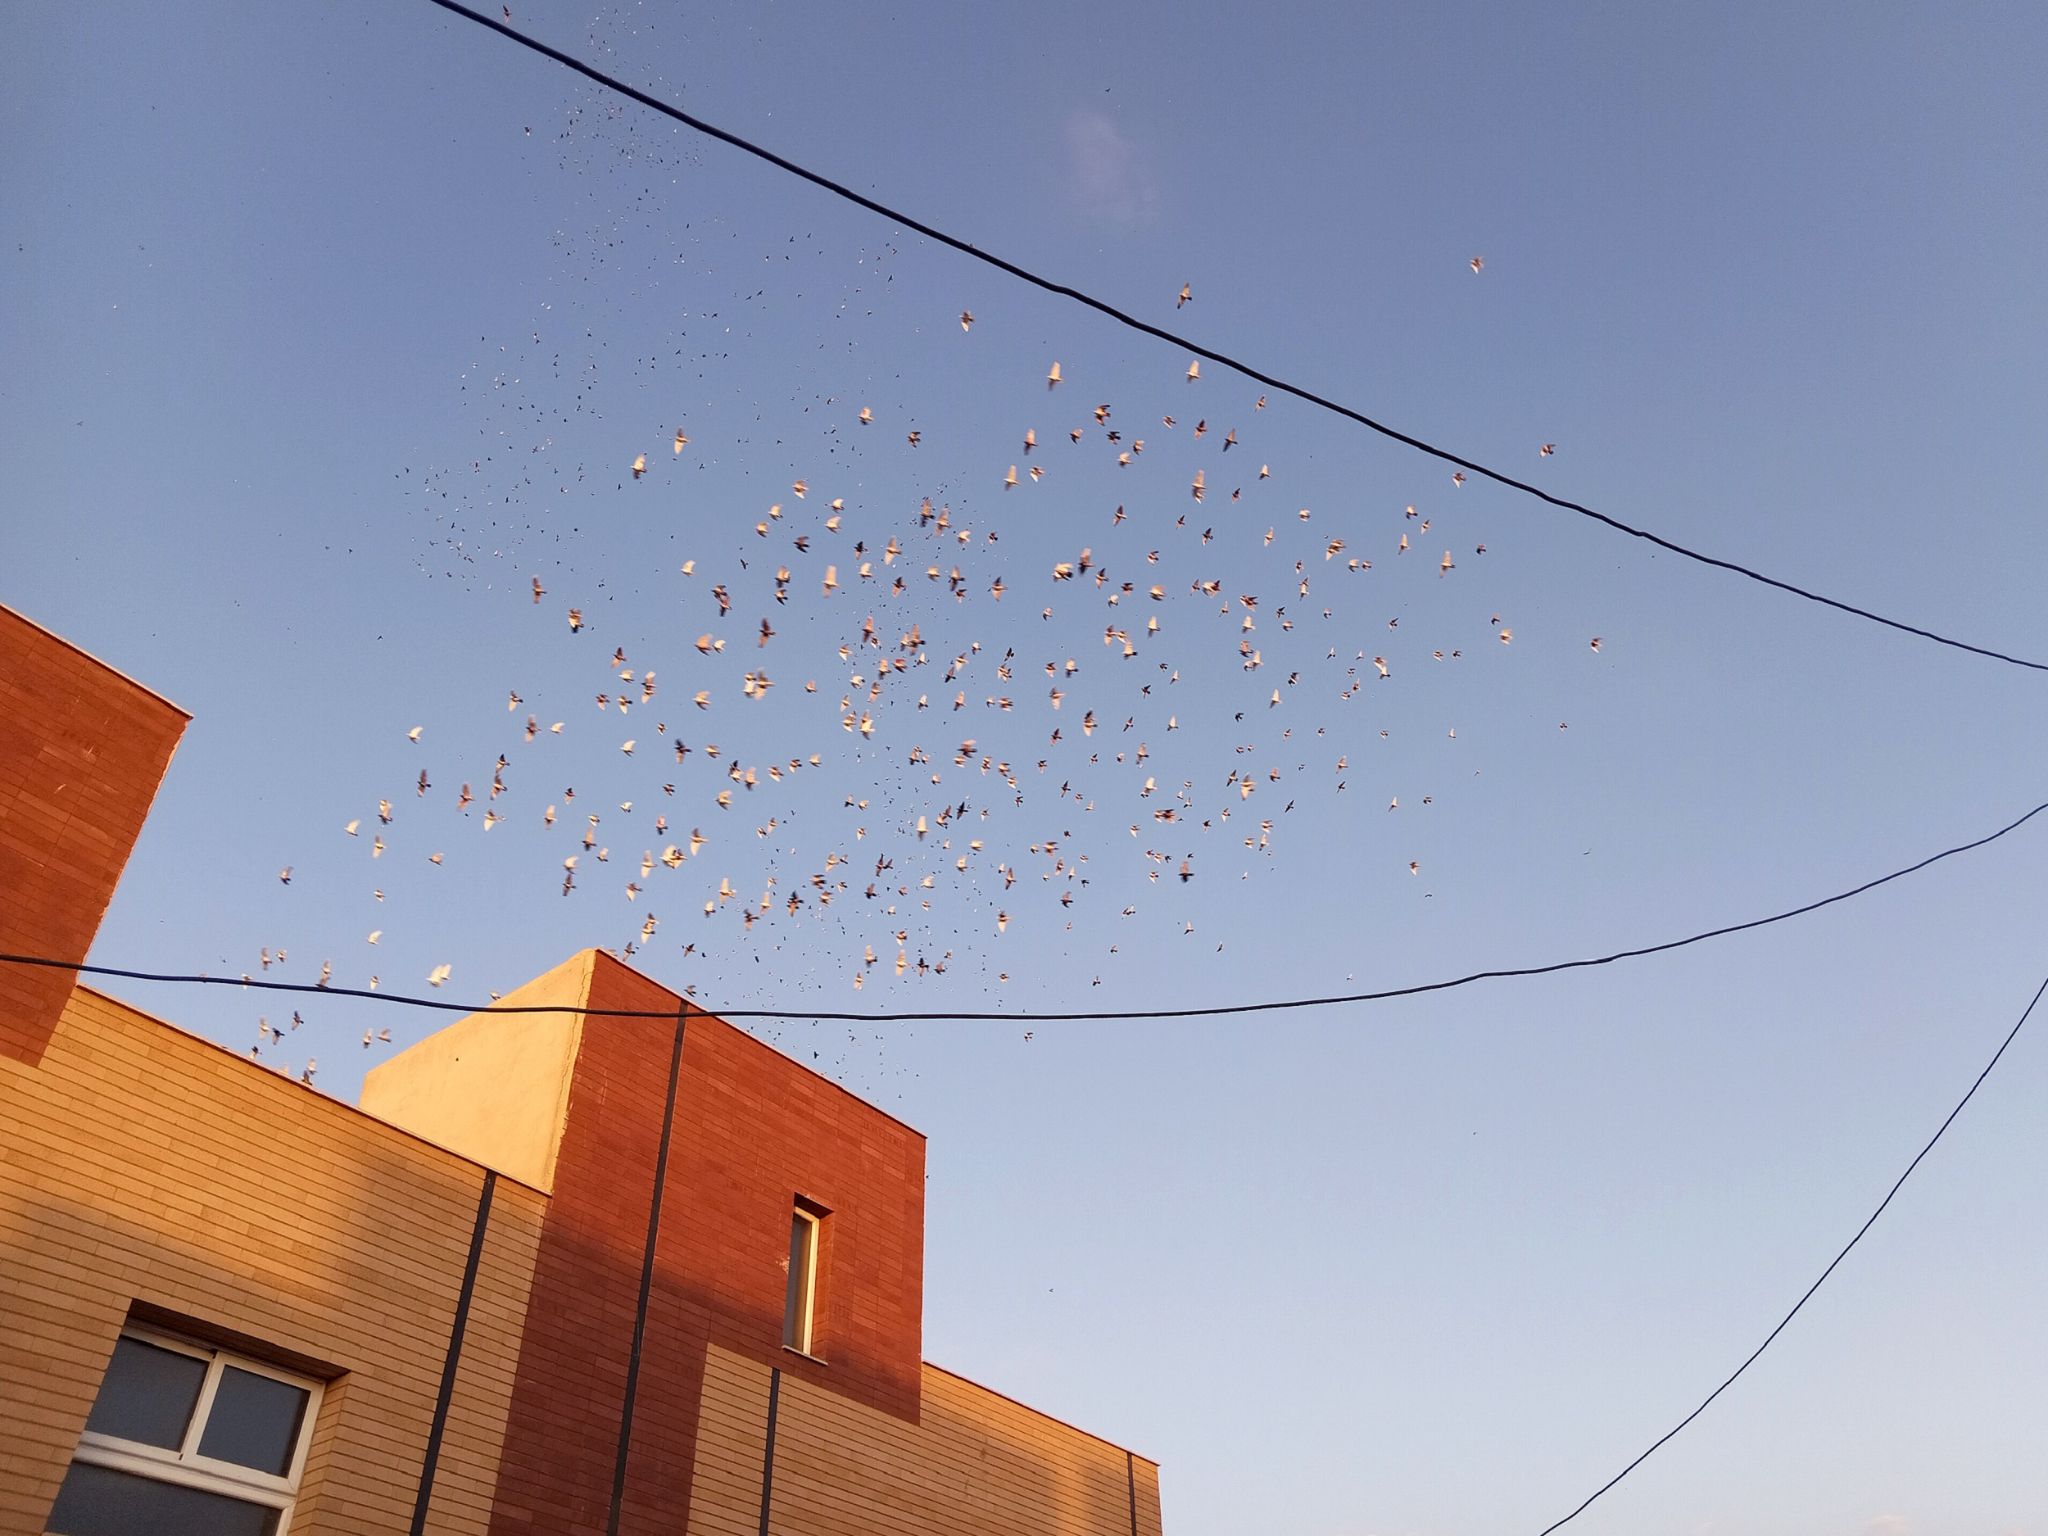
963,729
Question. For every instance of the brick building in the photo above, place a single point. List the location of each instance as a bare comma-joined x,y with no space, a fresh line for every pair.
559,1273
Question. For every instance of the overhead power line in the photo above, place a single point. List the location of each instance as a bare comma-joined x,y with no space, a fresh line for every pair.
1132,322
1026,1016
1871,1221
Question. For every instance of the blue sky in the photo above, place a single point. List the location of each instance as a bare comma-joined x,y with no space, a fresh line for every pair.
329,330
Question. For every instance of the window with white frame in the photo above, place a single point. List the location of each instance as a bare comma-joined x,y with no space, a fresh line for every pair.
186,1439
800,1305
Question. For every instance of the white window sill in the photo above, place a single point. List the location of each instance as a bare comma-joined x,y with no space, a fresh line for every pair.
791,1349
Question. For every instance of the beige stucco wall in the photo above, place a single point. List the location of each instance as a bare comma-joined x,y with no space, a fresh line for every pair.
493,1087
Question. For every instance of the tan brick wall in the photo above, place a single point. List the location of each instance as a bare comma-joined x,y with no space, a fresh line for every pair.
139,1163
732,1433
975,1462
1146,1476
467,1477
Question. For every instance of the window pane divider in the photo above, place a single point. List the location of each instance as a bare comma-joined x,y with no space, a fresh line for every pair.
185,1466
212,1476
196,1426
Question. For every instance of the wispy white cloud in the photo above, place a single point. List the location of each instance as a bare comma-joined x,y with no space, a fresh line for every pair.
1110,176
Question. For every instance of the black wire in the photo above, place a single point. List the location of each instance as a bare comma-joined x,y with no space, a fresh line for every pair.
1023,274
2011,1035
1096,1015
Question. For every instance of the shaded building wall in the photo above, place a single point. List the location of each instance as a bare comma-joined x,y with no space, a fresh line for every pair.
750,1131
142,1166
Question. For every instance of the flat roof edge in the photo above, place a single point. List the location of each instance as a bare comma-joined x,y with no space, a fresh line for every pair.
694,1008
105,666
271,1072
982,1386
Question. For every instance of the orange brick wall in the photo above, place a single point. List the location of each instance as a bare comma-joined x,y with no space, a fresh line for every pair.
140,1164
752,1130
82,750
556,1476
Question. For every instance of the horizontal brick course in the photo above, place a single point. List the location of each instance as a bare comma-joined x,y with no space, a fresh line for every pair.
82,752
974,1462
137,1171
141,1167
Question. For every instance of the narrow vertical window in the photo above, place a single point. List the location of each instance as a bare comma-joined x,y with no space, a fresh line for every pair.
800,1308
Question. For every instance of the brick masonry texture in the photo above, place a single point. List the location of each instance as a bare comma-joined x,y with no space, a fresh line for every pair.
145,1166
147,1173
753,1130
141,1165
974,1462
80,759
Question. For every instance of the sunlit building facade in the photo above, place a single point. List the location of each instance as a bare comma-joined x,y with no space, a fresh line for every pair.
559,1273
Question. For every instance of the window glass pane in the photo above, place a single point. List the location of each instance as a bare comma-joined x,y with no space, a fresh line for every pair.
254,1421
148,1394
796,1320
98,1501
